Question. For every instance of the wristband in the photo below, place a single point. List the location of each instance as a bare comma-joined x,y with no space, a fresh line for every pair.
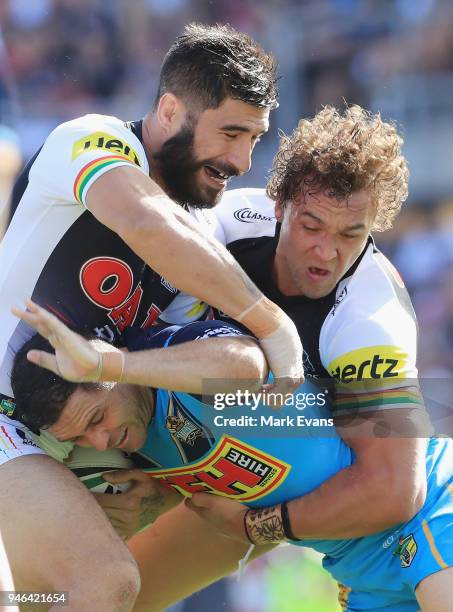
289,535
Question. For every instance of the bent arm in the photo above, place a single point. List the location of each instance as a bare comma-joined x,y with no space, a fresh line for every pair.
187,367
169,240
385,486
183,367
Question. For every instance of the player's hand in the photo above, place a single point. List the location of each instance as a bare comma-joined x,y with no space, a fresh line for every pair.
226,515
140,505
75,358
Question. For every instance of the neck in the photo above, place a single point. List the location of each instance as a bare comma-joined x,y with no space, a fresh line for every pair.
281,277
153,139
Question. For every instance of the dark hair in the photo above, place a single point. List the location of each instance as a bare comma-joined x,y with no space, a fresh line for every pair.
40,396
207,64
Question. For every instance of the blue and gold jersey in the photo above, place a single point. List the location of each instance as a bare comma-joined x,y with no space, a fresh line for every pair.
272,456
256,456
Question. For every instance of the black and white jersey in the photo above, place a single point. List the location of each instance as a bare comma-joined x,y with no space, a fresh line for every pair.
364,332
57,253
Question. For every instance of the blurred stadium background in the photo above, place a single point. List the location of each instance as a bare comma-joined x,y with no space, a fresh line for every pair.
63,58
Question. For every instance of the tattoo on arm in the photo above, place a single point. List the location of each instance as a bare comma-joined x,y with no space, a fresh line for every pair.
265,526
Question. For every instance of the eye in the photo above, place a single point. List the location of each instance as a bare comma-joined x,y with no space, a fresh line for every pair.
310,229
97,419
230,136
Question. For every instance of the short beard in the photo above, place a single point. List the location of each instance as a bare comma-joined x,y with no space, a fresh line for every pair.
177,166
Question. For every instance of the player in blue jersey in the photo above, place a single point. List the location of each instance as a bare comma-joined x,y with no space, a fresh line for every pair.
183,447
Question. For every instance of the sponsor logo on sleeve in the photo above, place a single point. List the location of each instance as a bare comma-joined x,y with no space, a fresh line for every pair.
105,142
168,286
370,363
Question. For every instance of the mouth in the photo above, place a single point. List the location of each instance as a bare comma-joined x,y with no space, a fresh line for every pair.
122,440
318,274
216,176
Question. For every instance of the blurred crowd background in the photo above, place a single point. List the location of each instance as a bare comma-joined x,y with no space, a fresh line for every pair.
63,58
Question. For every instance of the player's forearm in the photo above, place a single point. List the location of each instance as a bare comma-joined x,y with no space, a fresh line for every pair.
217,364
172,243
203,267
376,492
343,507
351,504
194,263
164,235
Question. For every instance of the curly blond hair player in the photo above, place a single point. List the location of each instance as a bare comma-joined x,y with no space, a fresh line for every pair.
344,153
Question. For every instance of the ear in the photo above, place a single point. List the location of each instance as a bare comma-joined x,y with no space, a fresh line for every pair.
279,210
171,114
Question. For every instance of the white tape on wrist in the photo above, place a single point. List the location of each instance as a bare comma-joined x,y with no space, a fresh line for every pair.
283,350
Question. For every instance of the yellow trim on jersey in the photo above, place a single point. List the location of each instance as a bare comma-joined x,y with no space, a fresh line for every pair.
434,550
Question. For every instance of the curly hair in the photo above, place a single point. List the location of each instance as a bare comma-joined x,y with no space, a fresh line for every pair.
344,153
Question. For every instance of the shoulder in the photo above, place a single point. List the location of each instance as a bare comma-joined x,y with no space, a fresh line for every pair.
372,319
93,133
245,213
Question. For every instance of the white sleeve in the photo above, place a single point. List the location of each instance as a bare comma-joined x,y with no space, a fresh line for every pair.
373,361
78,152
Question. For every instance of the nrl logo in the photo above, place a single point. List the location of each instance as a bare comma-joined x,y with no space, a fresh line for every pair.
183,429
407,549
247,215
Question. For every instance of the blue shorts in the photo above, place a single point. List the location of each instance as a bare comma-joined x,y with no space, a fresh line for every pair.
381,572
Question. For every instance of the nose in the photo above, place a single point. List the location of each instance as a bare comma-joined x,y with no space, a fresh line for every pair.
241,156
99,438
326,248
